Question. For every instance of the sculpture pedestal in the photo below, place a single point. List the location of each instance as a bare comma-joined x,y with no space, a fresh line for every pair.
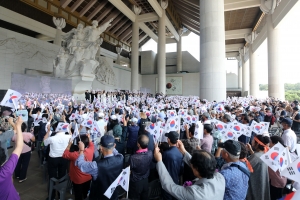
87,68
79,86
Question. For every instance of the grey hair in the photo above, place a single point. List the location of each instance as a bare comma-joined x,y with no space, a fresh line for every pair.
232,157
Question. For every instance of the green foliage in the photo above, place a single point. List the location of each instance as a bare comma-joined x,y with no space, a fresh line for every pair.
263,87
292,91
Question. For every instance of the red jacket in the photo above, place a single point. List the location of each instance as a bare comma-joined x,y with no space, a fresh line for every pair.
75,174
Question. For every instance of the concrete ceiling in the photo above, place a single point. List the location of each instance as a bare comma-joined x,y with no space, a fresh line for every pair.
241,17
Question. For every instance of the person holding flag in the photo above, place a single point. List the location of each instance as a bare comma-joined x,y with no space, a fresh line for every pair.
259,187
140,164
104,171
8,191
207,186
81,181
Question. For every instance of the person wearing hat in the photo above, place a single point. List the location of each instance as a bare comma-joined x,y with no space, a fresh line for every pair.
172,159
268,116
208,185
296,120
104,171
289,137
235,172
205,116
101,123
190,110
133,131
7,126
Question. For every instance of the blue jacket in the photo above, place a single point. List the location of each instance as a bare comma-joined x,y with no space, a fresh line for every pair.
132,136
172,158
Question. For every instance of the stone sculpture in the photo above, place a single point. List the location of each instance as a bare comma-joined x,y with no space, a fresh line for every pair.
78,56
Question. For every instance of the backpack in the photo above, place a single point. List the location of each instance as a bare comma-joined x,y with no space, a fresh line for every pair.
273,119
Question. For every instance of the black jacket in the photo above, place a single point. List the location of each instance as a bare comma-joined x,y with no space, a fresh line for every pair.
108,170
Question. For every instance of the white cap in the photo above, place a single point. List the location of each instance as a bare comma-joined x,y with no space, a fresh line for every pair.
113,117
134,120
101,114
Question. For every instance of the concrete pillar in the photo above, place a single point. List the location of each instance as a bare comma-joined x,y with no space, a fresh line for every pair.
135,51
60,23
119,50
179,51
275,61
161,50
254,82
240,76
245,79
212,50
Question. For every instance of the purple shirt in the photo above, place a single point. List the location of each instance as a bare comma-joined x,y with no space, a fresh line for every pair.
8,191
206,142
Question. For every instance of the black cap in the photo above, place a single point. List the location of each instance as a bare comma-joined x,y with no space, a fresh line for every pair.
107,141
287,121
296,108
173,136
233,147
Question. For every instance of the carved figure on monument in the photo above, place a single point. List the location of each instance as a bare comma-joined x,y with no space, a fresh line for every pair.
79,32
60,63
94,32
73,44
104,73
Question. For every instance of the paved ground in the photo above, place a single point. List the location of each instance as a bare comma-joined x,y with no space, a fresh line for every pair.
35,187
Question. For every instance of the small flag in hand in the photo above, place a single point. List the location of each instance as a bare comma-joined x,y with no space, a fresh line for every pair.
122,180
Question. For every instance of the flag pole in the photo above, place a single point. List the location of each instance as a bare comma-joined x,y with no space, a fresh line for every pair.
128,183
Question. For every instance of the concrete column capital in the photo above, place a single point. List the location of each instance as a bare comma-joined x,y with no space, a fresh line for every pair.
119,49
251,37
60,23
268,6
164,4
180,31
136,9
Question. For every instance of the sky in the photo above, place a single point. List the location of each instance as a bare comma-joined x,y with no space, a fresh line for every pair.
290,31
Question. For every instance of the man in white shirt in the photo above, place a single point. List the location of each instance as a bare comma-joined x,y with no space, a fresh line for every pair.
289,137
57,165
101,123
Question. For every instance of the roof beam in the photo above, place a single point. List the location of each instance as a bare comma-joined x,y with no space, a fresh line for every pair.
105,12
119,26
188,7
124,9
87,7
236,34
172,29
240,4
232,54
148,17
126,30
190,17
170,41
233,47
111,16
228,4
115,22
192,2
76,5
142,38
98,9
65,3
148,31
155,5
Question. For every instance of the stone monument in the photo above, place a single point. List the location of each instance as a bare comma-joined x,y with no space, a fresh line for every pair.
79,58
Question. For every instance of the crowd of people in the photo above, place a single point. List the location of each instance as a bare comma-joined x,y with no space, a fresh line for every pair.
92,141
